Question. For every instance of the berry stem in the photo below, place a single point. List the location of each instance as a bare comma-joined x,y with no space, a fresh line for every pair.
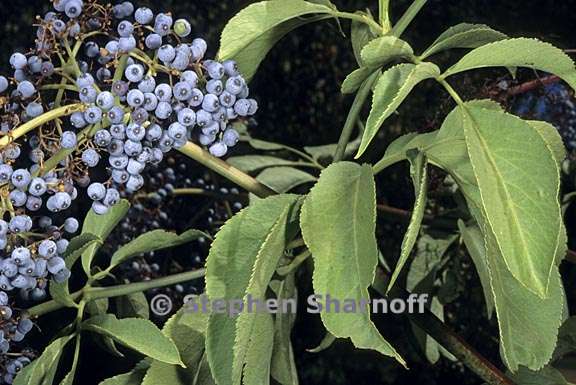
38,121
357,105
227,171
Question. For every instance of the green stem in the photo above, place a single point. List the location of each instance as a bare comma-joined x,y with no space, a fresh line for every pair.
94,293
408,17
384,7
387,162
38,121
451,91
363,19
357,105
222,168
201,191
66,87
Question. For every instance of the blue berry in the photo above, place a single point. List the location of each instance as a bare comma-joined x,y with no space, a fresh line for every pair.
93,115
26,89
230,137
96,191
135,98
68,139
105,100
3,84
144,15
21,178
90,157
18,61
71,225
73,8
102,138
218,149
153,41
58,202
134,73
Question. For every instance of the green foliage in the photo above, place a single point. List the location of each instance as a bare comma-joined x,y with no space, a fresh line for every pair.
392,88
463,36
419,174
250,34
507,175
343,244
137,334
383,50
43,369
188,330
151,241
101,226
243,257
521,52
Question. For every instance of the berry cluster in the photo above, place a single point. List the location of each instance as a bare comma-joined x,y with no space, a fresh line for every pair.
553,104
109,86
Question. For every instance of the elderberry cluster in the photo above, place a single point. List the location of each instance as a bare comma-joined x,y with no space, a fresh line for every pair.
554,104
105,91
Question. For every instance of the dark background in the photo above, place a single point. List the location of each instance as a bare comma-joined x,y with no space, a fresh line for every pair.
297,88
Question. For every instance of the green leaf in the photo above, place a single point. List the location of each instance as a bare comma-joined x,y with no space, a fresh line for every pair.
249,349
355,79
552,138
326,342
251,163
101,226
259,352
263,145
132,305
137,334
521,52
241,259
519,183
187,330
133,377
360,35
545,376
527,337
474,241
566,339
151,241
419,174
283,179
283,367
385,49
343,244
429,256
326,151
249,36
97,306
60,292
464,36
392,88
43,369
